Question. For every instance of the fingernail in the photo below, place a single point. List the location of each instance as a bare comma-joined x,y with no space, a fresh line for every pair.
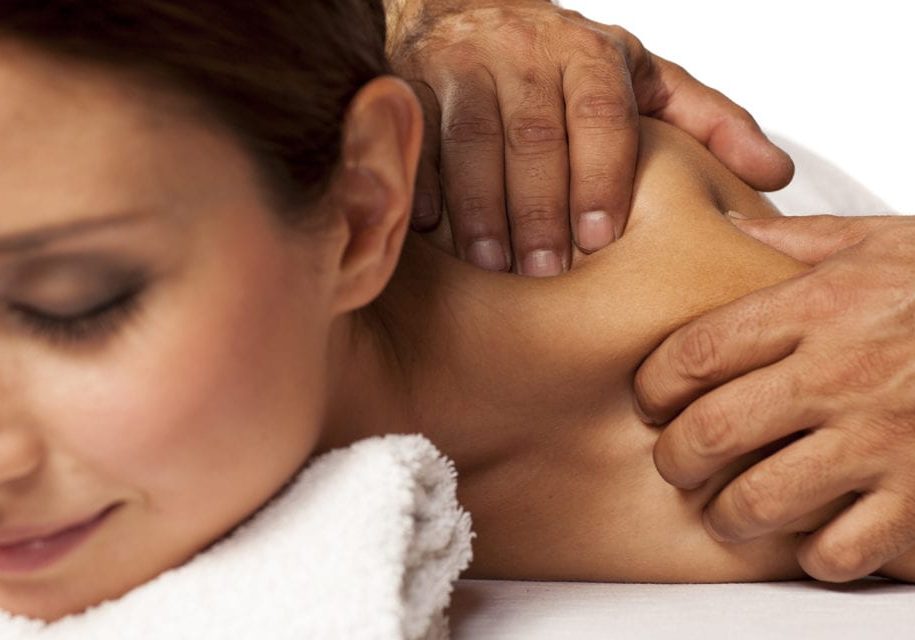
595,231
541,263
736,215
488,254
424,217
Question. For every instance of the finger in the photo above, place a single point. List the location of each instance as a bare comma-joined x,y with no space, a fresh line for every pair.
602,120
427,204
876,529
740,417
536,173
820,517
752,332
666,91
805,476
811,239
472,164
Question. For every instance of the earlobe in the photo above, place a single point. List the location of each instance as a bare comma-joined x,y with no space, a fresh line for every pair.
373,191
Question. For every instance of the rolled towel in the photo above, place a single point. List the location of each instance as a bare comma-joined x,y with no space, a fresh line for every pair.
365,543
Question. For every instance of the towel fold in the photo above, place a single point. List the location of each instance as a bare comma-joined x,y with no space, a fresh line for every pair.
365,543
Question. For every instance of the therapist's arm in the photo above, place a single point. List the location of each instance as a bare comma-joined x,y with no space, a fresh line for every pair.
533,126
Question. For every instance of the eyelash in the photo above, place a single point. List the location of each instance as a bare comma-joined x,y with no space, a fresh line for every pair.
95,324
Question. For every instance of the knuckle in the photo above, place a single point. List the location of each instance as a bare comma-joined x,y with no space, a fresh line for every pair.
536,213
617,32
472,129
535,135
849,233
826,296
535,226
570,15
600,108
595,179
596,42
754,500
863,369
742,114
675,69
474,210
710,432
699,357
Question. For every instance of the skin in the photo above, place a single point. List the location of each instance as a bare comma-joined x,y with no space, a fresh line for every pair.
533,129
534,401
195,409
849,320
534,139
255,346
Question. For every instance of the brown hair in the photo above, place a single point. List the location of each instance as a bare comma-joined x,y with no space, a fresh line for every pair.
279,73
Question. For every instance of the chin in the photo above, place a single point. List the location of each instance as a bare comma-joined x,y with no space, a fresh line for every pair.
42,608
50,601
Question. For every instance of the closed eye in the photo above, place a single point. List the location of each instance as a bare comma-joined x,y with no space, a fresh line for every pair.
95,323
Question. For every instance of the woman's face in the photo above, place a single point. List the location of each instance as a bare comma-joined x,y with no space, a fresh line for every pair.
193,386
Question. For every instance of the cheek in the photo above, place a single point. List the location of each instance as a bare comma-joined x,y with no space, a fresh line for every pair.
212,403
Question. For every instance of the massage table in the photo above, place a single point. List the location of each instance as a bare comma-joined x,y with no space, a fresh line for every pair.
497,610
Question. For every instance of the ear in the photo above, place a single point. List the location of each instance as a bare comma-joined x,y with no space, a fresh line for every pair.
373,191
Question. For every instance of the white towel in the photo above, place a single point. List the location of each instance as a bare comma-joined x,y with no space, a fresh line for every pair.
365,543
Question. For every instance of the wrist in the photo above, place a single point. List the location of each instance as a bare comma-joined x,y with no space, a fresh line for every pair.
404,17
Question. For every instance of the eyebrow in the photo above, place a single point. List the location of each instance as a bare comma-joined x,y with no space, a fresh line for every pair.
37,238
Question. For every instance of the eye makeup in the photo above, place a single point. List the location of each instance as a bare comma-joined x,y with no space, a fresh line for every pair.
74,298
97,323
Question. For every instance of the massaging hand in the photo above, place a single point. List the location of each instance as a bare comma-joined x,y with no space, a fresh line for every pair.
829,355
536,111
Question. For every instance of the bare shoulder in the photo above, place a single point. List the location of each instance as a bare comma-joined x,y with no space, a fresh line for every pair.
678,258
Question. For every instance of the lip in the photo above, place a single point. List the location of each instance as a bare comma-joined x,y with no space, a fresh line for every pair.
35,550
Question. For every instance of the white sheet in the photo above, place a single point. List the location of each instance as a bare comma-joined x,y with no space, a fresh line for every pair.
493,610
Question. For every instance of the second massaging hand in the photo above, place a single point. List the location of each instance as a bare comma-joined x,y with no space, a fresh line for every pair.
828,358
536,112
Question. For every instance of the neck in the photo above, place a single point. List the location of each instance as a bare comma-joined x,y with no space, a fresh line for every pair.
416,360
368,392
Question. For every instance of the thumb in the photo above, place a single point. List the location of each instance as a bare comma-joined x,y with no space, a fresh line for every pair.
810,239
669,92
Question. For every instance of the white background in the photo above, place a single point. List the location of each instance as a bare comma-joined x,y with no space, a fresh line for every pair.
836,77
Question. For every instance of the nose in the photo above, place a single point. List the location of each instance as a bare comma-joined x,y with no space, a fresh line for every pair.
21,453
